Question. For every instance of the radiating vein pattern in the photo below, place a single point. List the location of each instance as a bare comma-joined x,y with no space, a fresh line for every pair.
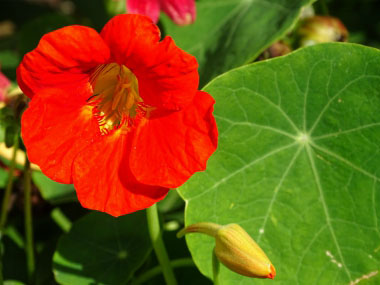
298,165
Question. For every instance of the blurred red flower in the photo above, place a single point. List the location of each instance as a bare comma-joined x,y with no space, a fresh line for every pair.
4,85
182,12
117,114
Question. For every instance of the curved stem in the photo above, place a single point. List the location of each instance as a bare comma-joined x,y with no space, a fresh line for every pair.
29,249
158,245
181,262
8,189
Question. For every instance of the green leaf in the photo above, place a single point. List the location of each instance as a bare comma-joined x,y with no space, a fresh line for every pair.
13,282
230,33
9,59
297,165
115,7
100,249
54,192
32,31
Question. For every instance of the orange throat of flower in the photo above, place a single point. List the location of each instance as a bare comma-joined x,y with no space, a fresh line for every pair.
115,100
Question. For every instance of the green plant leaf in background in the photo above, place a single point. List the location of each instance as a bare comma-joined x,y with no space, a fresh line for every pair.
9,59
298,165
32,31
52,191
230,33
100,249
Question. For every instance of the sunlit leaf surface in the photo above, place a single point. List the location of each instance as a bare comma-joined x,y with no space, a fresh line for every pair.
298,166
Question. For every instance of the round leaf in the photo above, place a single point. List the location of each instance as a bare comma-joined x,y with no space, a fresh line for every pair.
100,249
297,165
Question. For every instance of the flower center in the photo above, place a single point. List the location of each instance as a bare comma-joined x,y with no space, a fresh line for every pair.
116,99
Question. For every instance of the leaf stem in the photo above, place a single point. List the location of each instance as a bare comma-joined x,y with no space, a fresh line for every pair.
181,262
215,268
61,220
29,248
323,7
8,189
6,198
158,245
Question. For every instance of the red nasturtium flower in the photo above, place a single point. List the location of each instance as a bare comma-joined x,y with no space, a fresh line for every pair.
117,114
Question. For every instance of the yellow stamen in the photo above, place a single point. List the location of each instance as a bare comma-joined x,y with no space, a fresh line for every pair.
116,99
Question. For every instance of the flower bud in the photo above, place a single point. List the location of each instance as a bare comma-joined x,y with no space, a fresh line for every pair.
279,48
320,29
236,249
182,12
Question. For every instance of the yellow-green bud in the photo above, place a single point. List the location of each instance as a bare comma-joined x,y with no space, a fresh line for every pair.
236,249
320,29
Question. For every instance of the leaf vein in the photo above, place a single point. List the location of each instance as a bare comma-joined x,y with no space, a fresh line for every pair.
325,209
346,131
307,249
325,108
250,124
349,163
225,179
286,116
277,189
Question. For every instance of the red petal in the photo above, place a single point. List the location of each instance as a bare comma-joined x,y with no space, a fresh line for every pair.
167,76
104,181
63,58
55,128
150,8
169,148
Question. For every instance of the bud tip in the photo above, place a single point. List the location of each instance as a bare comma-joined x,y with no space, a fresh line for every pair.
272,273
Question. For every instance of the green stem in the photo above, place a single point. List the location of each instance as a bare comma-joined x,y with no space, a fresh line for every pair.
158,245
6,198
8,189
182,262
29,249
215,268
61,220
324,8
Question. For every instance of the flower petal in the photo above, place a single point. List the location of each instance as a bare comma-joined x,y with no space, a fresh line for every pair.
150,8
104,182
182,12
55,128
63,58
168,148
167,76
4,84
